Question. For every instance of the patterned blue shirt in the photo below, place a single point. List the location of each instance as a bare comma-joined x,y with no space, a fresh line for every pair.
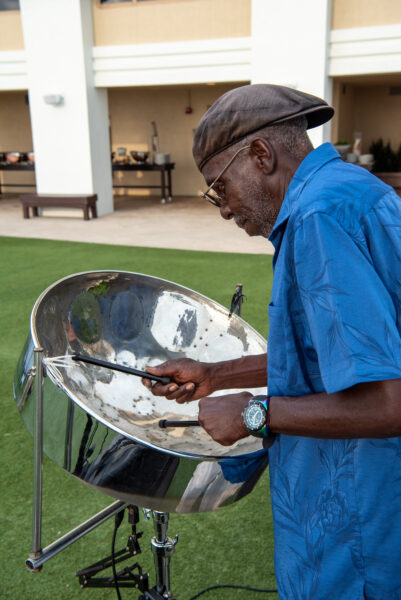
335,321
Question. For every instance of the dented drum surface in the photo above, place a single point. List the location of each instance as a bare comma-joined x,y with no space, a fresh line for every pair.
102,425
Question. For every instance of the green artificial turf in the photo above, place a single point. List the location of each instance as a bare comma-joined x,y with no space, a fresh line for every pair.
230,545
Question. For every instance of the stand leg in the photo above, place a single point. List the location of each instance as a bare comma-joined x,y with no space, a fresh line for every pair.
72,536
163,549
163,186
38,455
169,186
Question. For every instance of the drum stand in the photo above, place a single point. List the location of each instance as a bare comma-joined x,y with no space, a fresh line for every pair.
163,547
133,576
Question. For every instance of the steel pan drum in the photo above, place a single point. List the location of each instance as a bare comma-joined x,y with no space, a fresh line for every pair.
101,425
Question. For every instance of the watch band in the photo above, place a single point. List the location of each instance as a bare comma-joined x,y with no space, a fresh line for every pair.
264,400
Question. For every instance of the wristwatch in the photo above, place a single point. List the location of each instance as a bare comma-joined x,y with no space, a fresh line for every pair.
256,416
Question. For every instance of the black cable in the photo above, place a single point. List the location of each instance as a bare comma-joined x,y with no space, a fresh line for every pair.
117,522
240,587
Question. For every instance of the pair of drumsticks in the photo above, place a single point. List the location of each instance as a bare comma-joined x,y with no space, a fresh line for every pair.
163,423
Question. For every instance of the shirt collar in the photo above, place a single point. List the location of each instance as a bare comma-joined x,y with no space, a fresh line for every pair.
308,167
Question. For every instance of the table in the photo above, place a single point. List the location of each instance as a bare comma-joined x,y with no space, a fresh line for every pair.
162,169
21,166
165,187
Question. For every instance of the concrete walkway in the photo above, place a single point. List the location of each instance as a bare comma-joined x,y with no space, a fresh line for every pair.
185,224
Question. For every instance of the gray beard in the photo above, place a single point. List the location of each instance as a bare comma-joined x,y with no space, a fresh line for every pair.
264,213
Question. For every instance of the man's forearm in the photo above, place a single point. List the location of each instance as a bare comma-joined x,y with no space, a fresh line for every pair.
365,410
246,372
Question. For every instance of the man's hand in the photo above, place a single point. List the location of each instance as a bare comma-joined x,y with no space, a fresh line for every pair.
191,380
221,417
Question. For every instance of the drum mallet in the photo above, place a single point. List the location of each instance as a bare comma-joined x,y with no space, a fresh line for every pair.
122,368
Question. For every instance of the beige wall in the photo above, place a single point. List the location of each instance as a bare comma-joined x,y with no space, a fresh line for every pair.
365,13
15,122
15,134
170,21
133,109
342,125
368,108
11,31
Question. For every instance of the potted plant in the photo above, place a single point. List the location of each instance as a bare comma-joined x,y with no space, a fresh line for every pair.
387,165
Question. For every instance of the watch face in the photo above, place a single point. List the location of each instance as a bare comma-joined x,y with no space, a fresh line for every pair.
254,416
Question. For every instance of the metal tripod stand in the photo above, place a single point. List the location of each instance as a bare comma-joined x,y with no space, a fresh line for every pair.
133,576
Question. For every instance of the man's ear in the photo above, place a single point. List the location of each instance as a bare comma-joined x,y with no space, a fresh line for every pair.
265,155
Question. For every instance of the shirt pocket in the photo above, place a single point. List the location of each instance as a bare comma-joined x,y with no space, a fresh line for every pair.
277,366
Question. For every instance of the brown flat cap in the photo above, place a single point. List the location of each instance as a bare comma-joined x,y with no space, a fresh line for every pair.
246,109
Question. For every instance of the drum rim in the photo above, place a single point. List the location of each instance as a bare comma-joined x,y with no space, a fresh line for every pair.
103,420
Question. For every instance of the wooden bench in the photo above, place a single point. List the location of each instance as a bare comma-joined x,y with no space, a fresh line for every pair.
35,201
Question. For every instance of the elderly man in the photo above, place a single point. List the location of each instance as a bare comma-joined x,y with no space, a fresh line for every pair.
334,358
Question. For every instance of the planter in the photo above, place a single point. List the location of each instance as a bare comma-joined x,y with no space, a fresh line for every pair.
392,178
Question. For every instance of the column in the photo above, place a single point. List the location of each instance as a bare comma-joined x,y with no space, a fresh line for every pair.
69,116
290,40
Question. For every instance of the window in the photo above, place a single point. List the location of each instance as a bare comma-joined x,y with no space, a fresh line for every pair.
9,5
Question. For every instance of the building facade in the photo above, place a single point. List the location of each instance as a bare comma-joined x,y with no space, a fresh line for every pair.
80,78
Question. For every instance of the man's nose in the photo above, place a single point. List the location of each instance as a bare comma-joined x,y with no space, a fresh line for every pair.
225,212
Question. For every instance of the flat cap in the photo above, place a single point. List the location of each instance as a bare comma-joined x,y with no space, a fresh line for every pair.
244,110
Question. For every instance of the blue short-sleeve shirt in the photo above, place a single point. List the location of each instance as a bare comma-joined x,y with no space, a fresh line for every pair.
335,321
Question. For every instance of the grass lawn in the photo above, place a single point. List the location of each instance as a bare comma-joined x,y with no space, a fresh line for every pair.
230,545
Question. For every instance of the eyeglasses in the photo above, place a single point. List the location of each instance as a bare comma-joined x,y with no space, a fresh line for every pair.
210,194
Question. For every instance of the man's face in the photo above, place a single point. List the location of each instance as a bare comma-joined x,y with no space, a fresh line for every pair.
244,193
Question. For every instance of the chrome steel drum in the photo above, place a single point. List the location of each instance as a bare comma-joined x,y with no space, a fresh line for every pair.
102,425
